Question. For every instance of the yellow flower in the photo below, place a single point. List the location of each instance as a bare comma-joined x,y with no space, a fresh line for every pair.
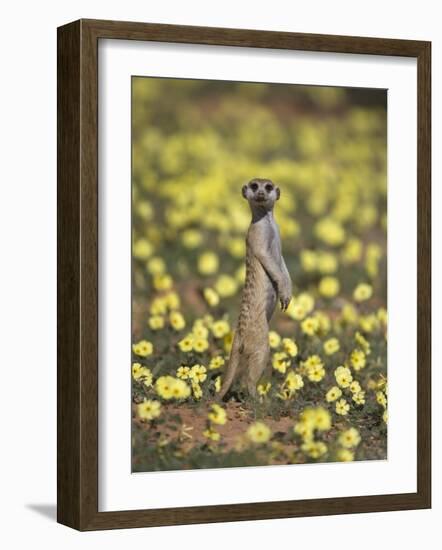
314,368
162,282
385,416
142,249
236,247
181,390
220,328
200,344
186,344
359,397
172,300
192,238
164,386
304,429
211,297
144,210
345,455
197,391
349,438
331,346
290,347
333,394
212,434
381,399
177,320
363,343
315,373
216,362
259,433
142,374
307,301
352,251
240,274
143,348
355,387
226,286
330,231
217,384
158,306
183,372
198,373
314,449
263,389
357,359
373,255
217,415
382,315
227,342
342,407
156,322
362,292
280,361
343,377
169,387
156,266
199,330
329,287
310,325
296,311
327,262
368,323
149,409
138,371
274,339
293,381
316,418
324,321
208,263
322,419
349,314
309,260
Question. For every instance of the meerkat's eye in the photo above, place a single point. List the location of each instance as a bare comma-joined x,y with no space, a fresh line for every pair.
269,188
254,186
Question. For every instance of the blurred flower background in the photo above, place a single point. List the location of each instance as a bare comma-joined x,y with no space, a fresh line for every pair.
194,144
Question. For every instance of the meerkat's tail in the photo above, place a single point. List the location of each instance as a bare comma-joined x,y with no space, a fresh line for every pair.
232,369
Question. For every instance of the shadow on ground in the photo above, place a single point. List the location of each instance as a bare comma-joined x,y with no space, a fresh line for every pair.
49,511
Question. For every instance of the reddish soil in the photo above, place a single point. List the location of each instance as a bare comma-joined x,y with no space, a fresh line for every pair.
194,423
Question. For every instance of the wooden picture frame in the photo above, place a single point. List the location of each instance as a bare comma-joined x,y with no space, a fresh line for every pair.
78,274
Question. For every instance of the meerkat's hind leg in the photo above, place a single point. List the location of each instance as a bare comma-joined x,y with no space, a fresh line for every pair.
233,368
258,361
266,376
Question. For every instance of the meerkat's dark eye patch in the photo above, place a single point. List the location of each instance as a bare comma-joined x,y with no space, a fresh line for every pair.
269,188
253,186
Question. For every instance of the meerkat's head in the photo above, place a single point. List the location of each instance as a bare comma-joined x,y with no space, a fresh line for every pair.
261,192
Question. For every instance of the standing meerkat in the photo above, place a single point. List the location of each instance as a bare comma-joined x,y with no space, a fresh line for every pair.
267,278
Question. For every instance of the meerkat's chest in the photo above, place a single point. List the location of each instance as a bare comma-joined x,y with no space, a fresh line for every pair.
273,244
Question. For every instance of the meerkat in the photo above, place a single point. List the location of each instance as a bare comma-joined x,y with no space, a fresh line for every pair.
267,279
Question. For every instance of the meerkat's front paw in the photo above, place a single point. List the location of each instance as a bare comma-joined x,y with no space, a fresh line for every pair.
285,300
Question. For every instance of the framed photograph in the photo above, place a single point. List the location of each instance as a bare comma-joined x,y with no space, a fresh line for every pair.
242,215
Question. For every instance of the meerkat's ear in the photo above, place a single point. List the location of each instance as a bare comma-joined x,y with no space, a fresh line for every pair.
244,191
278,193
